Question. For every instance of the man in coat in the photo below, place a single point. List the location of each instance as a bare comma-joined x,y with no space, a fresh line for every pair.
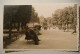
30,34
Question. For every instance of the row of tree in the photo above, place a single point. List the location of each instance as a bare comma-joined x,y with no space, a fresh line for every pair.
16,16
66,17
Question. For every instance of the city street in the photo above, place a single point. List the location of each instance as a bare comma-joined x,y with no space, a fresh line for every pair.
50,39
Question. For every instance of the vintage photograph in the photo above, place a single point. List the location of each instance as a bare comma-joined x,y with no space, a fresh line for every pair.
41,26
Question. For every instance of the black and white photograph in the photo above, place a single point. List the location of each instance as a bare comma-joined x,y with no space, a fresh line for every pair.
44,26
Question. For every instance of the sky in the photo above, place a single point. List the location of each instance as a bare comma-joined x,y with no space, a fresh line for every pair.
39,7
46,9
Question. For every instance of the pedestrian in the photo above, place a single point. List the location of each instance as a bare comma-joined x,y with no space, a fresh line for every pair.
64,28
28,37
30,34
34,35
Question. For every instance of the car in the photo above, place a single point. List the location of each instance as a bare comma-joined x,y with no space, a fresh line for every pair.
38,27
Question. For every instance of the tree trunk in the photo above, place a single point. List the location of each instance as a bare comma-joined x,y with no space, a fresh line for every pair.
10,30
75,29
67,27
18,27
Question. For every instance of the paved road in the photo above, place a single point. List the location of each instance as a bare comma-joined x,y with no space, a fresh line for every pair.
50,39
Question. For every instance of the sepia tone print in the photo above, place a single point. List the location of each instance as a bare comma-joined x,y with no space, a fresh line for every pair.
40,26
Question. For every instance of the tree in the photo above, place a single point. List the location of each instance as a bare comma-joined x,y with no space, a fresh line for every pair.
34,17
74,18
16,14
23,15
66,16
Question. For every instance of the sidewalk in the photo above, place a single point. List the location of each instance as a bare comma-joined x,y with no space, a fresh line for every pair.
50,39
